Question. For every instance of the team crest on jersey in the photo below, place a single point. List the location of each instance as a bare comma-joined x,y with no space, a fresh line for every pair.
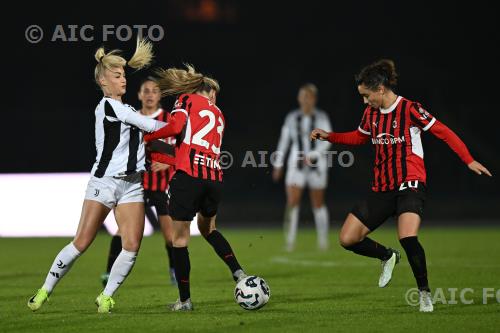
394,124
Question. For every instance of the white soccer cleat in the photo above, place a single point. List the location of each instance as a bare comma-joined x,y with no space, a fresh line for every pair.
182,306
425,300
239,275
387,268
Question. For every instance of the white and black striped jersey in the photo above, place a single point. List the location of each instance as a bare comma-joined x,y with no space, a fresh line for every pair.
295,134
118,138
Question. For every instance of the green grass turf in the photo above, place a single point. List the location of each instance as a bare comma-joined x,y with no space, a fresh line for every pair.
311,291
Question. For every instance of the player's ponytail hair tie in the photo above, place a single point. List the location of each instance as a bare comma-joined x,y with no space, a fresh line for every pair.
175,81
142,57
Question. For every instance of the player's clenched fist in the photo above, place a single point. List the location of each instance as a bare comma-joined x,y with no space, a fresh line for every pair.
319,134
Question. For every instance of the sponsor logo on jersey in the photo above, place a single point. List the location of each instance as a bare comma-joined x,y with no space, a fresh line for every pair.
206,161
386,139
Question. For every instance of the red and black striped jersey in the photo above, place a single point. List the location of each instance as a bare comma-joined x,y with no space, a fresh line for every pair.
198,126
395,135
198,145
158,181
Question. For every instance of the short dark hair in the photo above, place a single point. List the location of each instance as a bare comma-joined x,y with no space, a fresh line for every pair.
381,72
148,79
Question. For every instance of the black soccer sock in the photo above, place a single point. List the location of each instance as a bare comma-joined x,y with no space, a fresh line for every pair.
416,257
224,251
182,268
114,251
370,248
168,247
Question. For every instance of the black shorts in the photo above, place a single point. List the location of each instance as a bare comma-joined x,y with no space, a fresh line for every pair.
189,195
158,199
379,206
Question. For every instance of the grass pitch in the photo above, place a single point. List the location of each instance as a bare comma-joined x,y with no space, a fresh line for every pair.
311,291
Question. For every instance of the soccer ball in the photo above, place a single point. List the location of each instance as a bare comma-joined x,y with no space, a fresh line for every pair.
252,293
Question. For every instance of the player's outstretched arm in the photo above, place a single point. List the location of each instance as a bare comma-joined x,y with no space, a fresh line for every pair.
174,126
441,131
353,138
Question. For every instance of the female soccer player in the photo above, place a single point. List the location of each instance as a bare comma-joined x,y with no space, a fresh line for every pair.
116,180
155,181
393,125
307,165
195,188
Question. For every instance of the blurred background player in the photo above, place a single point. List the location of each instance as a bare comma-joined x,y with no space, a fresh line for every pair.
155,181
116,181
307,165
393,125
196,187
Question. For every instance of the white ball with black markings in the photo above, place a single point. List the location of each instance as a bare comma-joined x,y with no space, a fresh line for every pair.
252,293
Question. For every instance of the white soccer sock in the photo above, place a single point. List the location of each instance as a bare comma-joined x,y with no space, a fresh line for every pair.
119,271
322,224
61,266
291,224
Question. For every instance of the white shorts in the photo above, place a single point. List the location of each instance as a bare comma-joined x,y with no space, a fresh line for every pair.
315,179
114,191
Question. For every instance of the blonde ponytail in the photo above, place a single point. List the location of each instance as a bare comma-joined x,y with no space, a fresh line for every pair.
142,57
175,81
143,54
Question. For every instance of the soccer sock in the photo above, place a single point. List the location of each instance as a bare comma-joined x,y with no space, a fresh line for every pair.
119,271
153,219
114,251
168,247
322,224
370,248
224,251
416,257
291,224
182,268
61,265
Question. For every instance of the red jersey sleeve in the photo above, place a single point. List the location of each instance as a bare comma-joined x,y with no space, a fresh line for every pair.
162,158
420,117
442,132
365,126
176,120
182,104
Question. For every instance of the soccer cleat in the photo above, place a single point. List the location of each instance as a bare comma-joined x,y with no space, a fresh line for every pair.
104,303
104,279
425,301
173,280
37,300
239,275
182,306
387,268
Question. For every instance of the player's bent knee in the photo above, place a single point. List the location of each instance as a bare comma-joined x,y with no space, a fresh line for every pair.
131,245
347,240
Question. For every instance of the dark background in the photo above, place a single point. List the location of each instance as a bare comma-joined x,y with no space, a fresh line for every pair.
261,52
